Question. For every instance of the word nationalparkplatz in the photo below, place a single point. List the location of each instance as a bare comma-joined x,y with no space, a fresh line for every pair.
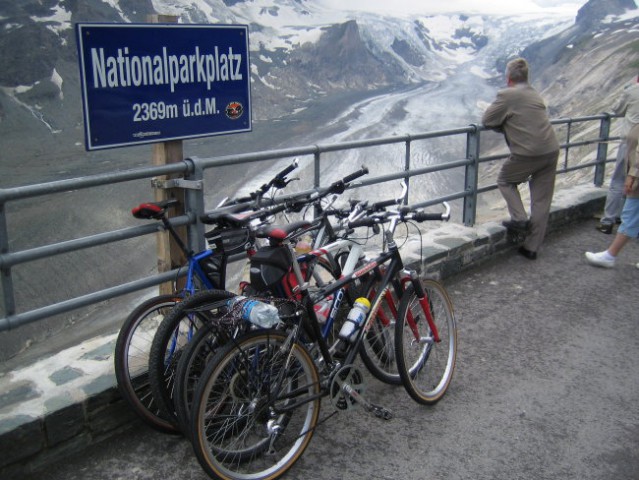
125,69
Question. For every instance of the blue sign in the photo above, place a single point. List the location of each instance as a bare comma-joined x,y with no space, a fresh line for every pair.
147,83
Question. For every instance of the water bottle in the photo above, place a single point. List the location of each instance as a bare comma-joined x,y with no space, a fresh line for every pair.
355,319
303,245
323,308
258,313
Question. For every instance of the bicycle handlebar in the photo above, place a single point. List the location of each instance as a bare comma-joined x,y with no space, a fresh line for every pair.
355,175
379,206
367,222
296,203
404,214
230,216
287,170
279,181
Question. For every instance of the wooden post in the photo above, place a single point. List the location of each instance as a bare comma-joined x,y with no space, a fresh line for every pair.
169,255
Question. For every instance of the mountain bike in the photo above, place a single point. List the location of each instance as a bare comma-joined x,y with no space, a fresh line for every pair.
258,400
204,270
177,330
331,310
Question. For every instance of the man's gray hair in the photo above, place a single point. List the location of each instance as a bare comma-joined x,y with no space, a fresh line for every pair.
517,70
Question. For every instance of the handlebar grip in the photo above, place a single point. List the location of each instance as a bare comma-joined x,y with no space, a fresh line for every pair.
360,173
237,201
364,222
382,205
340,185
337,212
423,216
267,212
286,171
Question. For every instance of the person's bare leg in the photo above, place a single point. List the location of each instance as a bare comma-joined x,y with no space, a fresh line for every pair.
617,244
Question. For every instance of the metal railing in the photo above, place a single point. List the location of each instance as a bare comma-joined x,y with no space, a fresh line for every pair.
192,170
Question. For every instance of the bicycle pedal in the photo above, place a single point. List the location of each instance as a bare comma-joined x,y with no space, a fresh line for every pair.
381,412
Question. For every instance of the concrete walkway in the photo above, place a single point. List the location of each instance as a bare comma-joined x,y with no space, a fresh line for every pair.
535,334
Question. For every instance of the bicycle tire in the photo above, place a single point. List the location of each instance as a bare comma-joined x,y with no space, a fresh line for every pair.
131,359
377,350
237,431
426,367
196,356
173,334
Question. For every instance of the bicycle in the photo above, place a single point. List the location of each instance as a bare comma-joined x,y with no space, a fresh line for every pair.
202,347
204,270
177,330
257,404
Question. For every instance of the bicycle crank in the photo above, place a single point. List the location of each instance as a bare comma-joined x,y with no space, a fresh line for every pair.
346,390
346,386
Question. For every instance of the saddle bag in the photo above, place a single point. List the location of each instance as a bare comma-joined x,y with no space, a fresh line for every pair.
269,266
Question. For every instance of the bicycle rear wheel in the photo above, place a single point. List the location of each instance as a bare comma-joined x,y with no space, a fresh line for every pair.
172,336
131,359
256,407
426,366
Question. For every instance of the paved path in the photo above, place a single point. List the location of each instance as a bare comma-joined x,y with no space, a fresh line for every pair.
546,387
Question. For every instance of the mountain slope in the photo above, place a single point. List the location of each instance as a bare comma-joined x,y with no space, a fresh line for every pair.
317,76
302,55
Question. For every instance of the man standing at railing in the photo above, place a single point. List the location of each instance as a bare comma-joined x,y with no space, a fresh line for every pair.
521,115
628,106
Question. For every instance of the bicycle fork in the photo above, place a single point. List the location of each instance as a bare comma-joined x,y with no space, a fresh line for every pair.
424,302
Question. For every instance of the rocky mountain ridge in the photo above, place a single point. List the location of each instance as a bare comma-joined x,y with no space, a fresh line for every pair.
317,76
301,55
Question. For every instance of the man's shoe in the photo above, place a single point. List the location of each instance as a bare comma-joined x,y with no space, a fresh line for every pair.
600,259
520,225
527,253
605,228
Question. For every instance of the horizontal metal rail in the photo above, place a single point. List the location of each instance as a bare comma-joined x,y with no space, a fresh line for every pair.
194,167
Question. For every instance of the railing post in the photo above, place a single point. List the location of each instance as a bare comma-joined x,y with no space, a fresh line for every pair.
407,168
568,136
472,176
316,168
194,206
602,150
5,272
316,176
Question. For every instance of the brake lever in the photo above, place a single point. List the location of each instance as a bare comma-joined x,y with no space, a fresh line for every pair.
359,210
446,214
222,202
403,196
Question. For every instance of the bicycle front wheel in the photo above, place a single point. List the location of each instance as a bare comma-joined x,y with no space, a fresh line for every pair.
378,345
426,363
171,338
131,359
196,356
256,407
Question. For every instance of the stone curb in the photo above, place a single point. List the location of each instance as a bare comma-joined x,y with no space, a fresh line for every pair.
91,409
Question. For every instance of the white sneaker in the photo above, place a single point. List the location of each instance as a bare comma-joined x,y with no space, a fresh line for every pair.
600,259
